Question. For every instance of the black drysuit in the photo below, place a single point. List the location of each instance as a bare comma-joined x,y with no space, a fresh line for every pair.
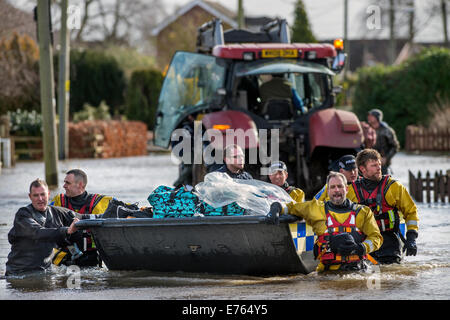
34,235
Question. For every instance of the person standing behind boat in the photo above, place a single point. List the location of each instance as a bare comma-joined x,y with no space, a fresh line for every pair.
386,197
278,175
234,159
79,200
386,140
345,165
347,232
37,229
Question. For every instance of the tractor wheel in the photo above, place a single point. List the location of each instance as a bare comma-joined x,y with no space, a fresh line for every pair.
317,177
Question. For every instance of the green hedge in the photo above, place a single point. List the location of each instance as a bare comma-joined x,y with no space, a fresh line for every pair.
142,96
406,93
95,76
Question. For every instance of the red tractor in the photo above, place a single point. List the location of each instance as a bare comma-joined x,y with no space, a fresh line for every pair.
222,88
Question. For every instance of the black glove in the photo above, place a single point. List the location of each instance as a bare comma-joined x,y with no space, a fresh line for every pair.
345,245
124,212
143,213
75,237
342,243
360,250
410,245
70,239
117,209
349,249
273,216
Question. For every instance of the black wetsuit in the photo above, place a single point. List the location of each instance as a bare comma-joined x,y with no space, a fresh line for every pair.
34,235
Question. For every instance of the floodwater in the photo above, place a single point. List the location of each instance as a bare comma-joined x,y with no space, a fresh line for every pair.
425,276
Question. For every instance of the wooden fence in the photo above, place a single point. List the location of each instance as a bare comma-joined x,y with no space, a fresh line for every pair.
427,139
436,188
26,148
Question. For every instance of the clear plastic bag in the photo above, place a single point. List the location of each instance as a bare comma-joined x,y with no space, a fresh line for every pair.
219,189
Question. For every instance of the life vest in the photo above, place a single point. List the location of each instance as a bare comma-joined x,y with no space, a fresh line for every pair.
386,216
94,201
322,245
88,243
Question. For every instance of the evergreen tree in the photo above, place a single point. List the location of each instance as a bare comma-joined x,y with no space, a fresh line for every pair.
142,97
301,30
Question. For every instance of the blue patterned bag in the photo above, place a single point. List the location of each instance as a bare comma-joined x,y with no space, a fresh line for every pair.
170,202
229,210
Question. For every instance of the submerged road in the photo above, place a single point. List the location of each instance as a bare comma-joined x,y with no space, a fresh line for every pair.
425,276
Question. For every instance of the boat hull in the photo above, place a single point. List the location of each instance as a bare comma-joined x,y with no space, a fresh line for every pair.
223,245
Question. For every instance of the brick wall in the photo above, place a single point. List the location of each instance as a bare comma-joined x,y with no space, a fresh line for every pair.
107,139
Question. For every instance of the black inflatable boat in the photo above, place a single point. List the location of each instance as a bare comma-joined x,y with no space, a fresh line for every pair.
219,244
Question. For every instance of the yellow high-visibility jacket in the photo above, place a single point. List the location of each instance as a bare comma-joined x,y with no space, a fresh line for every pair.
398,197
297,194
314,214
98,207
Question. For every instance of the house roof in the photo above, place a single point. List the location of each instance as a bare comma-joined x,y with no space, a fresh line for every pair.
214,8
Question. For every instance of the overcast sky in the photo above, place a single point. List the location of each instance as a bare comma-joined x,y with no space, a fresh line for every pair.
327,16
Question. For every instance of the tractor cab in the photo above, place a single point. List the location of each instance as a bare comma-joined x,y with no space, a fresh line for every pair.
281,89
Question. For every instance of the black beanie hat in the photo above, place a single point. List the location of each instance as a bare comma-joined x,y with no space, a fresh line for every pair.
377,113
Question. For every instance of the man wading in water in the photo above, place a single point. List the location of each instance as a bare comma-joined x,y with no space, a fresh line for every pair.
346,231
386,197
37,229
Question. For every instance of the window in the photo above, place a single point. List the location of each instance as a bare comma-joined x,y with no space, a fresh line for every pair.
192,80
317,89
191,84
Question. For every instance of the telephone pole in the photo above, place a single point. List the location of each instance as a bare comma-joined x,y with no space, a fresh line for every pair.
392,41
47,93
444,21
64,84
240,17
346,46
411,12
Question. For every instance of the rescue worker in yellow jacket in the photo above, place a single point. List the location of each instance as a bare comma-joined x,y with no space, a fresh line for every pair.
345,165
278,175
386,197
79,200
347,232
